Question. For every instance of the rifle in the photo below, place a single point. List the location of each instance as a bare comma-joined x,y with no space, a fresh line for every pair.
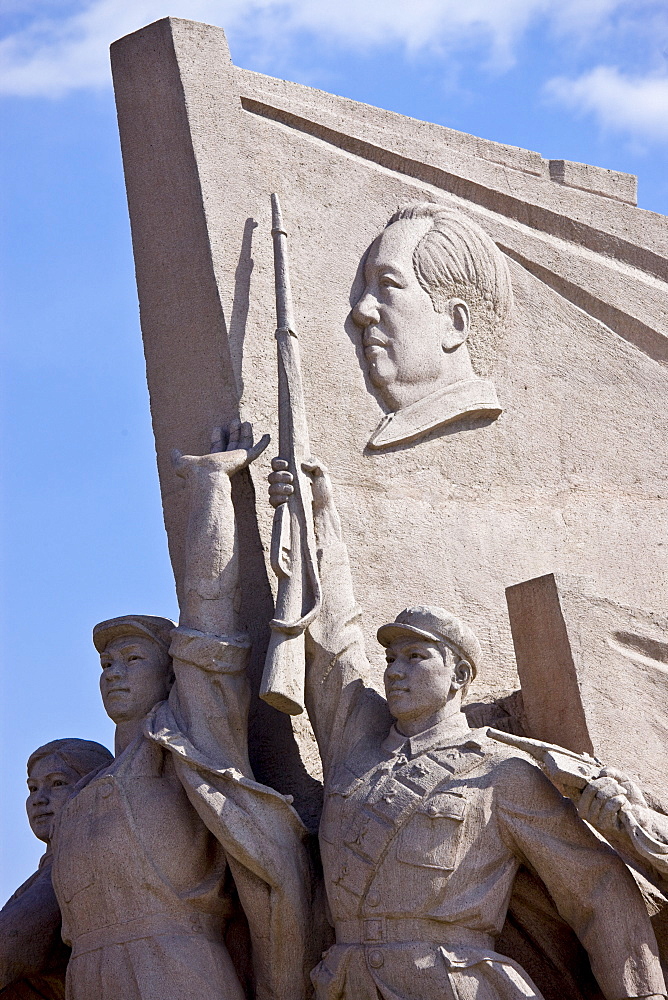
566,768
293,558
571,772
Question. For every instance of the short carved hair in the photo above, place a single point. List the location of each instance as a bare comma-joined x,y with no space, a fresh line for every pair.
82,756
457,259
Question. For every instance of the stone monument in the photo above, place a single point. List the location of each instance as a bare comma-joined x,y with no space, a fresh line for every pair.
470,358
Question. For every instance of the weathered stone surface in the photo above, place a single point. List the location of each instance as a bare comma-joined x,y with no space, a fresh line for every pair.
610,183
570,477
426,823
594,675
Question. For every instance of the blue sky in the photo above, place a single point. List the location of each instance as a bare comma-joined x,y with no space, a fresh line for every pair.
83,539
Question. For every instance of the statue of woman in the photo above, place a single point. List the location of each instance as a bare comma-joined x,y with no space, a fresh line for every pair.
33,957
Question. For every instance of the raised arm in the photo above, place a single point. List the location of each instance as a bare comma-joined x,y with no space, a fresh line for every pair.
340,707
212,559
210,696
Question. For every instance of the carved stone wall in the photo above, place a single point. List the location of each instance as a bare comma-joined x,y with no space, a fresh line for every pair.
571,475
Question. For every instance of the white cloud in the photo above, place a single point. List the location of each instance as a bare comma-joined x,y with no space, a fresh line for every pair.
52,54
635,104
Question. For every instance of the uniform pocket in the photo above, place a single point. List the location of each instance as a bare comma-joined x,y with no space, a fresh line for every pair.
432,837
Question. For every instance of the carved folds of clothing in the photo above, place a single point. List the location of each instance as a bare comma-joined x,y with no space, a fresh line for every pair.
422,838
33,957
127,913
471,397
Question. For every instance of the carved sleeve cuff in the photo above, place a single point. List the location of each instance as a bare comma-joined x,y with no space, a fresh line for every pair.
217,654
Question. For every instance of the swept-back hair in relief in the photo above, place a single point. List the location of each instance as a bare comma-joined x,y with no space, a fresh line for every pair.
457,259
82,756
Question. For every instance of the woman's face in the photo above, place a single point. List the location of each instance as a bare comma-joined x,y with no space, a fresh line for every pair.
50,784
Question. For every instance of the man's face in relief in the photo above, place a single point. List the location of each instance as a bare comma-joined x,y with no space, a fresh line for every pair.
418,680
50,784
136,675
403,334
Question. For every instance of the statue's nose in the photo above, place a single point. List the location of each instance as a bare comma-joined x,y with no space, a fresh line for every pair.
365,311
115,670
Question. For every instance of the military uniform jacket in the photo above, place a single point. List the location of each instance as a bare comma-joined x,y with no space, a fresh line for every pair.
421,839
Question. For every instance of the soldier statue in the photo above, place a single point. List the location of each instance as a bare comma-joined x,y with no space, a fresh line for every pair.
145,852
426,822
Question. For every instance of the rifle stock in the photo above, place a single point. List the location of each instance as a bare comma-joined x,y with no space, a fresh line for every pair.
293,556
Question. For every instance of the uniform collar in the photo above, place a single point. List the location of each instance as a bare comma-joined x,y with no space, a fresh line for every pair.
443,405
447,733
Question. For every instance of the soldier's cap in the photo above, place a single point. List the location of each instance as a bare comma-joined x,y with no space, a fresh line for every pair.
435,625
149,626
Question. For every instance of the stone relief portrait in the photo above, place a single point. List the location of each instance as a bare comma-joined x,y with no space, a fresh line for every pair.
436,297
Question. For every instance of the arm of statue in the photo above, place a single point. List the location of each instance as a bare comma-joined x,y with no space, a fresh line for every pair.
591,886
615,806
605,798
210,694
340,707
212,559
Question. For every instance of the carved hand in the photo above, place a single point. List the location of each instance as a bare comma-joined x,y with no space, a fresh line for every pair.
321,485
602,800
281,483
229,452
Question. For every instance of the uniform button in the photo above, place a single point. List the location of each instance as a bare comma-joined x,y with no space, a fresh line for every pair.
376,959
106,790
433,810
373,899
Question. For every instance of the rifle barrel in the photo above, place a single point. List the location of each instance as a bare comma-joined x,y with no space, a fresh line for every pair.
284,316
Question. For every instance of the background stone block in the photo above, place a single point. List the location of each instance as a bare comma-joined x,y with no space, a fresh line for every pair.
594,675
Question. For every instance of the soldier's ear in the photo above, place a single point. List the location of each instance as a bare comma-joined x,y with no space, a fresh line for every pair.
462,675
457,324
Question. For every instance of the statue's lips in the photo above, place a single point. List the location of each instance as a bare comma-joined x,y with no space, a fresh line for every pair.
41,815
118,690
373,347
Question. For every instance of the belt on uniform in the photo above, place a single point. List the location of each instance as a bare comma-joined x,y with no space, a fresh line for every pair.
401,930
153,925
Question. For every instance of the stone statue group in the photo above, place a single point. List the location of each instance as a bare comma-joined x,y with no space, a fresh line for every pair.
172,874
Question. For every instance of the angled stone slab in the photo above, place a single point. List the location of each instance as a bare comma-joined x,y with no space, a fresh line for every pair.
594,675
571,476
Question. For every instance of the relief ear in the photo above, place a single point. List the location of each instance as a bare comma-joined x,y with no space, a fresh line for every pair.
462,675
457,324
